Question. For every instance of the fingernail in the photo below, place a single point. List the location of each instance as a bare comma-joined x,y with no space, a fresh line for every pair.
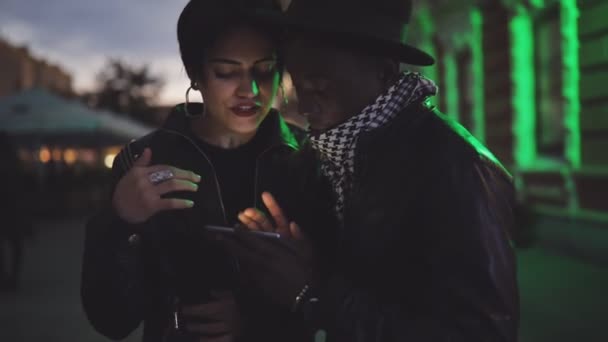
195,186
198,177
189,203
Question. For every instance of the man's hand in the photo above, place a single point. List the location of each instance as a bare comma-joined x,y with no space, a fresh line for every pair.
278,269
215,321
254,219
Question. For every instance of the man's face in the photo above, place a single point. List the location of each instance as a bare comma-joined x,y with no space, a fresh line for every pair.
331,84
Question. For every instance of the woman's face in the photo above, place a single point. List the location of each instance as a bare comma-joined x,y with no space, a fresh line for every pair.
240,80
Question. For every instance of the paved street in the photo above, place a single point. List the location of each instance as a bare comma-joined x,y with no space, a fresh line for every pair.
47,307
562,299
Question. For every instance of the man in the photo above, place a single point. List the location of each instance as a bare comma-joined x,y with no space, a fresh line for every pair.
423,251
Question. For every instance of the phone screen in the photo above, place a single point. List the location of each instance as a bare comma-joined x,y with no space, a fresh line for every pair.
231,230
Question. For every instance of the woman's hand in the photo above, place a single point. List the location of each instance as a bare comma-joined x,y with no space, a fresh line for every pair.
137,195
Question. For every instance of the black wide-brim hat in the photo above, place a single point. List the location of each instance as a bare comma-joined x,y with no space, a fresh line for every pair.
378,26
260,11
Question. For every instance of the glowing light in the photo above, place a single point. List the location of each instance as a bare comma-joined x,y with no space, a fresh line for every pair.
571,81
524,104
44,154
87,156
69,156
478,75
109,160
25,155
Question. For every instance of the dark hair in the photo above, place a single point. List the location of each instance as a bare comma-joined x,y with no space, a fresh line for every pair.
202,22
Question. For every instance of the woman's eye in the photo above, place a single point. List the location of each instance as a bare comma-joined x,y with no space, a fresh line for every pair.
224,74
259,72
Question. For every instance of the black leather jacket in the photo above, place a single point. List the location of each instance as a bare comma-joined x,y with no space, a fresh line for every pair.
425,252
124,284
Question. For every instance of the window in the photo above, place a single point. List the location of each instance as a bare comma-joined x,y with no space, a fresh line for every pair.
466,87
550,129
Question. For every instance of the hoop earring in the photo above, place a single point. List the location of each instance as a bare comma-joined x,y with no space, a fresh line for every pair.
194,86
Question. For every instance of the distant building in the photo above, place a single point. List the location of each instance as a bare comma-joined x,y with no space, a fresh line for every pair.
21,71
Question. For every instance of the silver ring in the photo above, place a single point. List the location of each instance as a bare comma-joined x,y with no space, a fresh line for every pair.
158,177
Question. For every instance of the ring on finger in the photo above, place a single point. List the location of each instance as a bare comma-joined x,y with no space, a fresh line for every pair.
158,177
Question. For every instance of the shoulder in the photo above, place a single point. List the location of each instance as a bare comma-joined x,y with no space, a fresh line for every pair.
449,139
467,160
125,159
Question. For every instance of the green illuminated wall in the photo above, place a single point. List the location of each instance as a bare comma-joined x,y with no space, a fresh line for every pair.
523,76
524,83
478,79
522,57
570,50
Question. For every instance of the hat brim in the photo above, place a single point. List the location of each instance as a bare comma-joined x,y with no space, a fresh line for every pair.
404,53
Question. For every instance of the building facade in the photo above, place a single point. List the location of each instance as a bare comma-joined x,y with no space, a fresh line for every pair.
527,77
21,71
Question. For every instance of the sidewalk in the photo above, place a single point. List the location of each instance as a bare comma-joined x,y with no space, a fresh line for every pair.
563,299
47,306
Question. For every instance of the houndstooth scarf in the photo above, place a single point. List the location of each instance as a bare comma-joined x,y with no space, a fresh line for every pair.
337,145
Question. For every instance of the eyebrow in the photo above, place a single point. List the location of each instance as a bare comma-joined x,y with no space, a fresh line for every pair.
233,62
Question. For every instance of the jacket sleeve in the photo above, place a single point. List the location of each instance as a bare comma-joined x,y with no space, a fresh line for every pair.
469,290
112,290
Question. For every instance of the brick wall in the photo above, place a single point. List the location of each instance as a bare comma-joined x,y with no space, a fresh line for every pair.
498,87
21,71
592,182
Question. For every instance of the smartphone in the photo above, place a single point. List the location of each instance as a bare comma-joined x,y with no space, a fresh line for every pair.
231,230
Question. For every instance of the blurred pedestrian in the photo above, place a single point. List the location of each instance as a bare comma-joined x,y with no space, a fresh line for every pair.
17,224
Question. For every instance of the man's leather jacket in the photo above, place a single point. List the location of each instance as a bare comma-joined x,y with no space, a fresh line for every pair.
425,253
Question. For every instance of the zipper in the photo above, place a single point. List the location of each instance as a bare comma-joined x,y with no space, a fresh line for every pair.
217,183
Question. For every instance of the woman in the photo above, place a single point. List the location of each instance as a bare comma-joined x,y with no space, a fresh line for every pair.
146,256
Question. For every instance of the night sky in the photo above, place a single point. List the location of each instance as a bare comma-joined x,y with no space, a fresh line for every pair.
80,35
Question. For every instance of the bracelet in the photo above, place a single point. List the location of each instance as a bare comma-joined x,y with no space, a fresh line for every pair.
299,297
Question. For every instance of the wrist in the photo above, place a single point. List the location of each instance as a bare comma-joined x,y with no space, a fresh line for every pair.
305,302
297,302
120,230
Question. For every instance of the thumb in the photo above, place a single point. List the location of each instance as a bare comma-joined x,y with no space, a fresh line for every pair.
144,159
295,231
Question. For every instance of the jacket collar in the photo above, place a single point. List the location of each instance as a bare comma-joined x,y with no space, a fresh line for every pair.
419,110
274,127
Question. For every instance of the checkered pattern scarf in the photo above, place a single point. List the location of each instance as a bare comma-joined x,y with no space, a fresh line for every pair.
337,145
